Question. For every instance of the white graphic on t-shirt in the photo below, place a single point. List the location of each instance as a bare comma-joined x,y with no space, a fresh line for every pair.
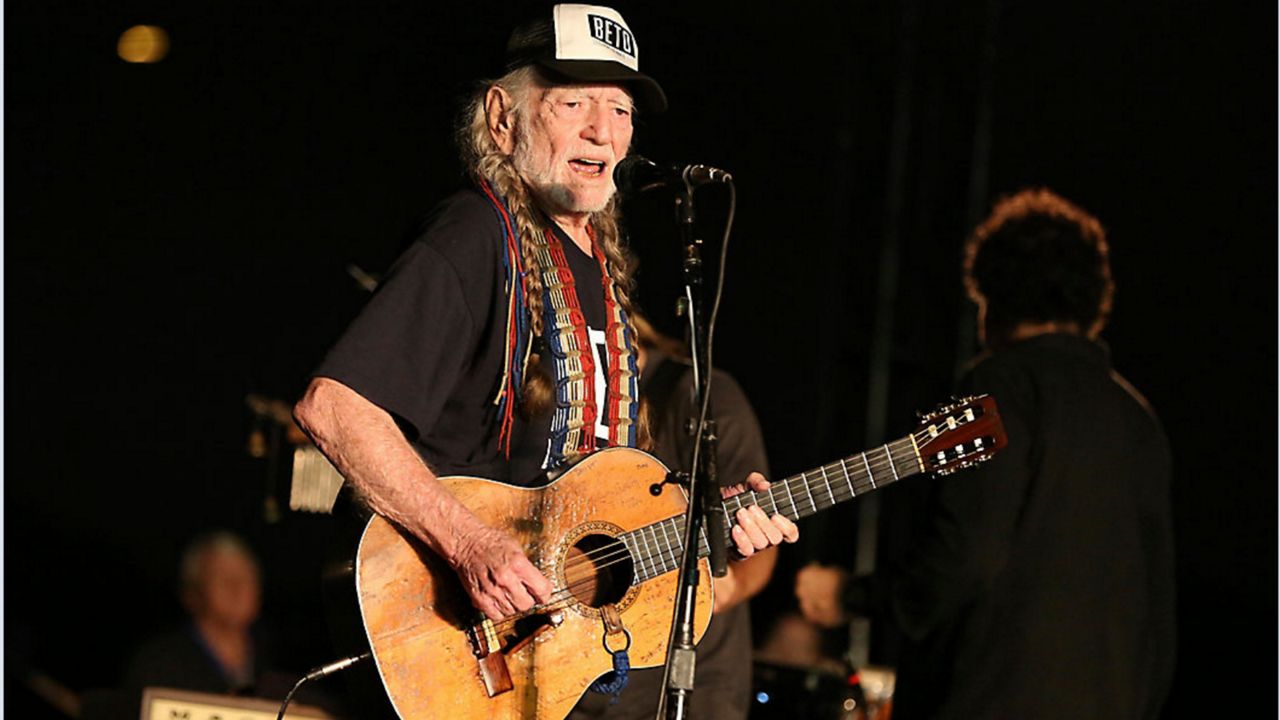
597,340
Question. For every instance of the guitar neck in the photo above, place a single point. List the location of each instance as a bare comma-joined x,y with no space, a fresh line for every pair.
657,548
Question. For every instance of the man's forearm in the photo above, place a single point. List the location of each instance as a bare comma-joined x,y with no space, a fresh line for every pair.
365,444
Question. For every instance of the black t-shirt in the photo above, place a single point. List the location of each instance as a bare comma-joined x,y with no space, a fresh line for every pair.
429,346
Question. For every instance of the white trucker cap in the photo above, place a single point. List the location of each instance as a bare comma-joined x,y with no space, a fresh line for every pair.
585,43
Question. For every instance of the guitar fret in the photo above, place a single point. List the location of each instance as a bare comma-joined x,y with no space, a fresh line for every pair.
646,556
809,491
659,542
870,476
773,504
848,478
792,498
677,548
891,465
672,547
633,547
827,482
629,543
660,562
915,452
895,451
662,555
729,504
655,556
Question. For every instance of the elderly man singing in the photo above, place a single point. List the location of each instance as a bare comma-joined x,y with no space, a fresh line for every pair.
501,344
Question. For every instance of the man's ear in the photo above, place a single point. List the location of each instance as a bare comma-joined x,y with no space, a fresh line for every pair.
499,118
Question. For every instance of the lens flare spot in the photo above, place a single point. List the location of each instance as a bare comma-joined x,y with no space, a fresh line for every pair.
143,44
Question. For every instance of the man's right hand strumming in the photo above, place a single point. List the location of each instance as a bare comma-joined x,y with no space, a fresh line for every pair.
497,575
363,441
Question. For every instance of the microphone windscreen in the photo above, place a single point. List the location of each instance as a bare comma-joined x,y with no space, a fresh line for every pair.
636,173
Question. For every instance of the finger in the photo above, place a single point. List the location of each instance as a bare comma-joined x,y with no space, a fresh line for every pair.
520,598
490,608
495,593
790,532
742,542
757,482
539,587
535,582
771,530
755,534
503,604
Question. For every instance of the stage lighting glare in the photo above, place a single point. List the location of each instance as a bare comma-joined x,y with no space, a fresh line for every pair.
143,44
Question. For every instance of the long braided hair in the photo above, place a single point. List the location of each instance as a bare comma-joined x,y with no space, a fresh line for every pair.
486,162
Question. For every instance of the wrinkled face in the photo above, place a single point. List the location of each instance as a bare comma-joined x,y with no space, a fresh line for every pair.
230,591
570,139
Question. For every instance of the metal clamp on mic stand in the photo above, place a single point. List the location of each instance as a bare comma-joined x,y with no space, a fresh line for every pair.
705,507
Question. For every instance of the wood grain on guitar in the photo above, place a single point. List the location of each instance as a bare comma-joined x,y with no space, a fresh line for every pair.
611,550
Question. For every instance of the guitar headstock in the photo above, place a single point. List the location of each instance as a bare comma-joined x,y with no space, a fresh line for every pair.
963,433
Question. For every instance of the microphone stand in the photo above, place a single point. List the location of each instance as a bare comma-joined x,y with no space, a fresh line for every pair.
704,508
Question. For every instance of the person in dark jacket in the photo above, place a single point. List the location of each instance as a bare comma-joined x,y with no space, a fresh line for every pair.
1039,585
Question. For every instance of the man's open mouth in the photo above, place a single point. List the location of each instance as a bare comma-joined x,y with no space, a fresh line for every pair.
593,168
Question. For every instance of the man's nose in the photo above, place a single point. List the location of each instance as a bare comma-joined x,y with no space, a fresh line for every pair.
599,127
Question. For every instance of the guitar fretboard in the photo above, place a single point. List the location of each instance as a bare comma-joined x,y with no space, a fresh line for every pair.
656,548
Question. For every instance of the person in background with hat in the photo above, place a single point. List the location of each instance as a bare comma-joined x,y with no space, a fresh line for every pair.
515,297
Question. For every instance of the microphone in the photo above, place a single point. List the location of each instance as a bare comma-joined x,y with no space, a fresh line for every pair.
636,173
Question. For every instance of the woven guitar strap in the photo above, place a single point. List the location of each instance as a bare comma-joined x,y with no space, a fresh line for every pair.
571,356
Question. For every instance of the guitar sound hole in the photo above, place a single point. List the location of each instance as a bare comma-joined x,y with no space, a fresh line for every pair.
598,570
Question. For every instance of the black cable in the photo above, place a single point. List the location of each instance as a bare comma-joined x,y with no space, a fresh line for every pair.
322,671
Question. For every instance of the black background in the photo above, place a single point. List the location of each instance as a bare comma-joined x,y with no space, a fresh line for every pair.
177,237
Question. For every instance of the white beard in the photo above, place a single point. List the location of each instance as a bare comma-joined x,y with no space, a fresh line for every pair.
542,181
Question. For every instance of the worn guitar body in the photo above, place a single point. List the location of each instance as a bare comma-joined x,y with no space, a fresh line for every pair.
421,624
611,549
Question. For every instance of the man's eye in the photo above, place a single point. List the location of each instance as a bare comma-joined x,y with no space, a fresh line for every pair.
622,112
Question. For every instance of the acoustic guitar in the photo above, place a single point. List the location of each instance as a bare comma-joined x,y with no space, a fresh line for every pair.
611,549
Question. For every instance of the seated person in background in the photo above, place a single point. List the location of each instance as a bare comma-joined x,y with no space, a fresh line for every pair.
216,652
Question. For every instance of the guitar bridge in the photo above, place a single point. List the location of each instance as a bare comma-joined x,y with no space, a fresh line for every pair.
490,659
491,651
